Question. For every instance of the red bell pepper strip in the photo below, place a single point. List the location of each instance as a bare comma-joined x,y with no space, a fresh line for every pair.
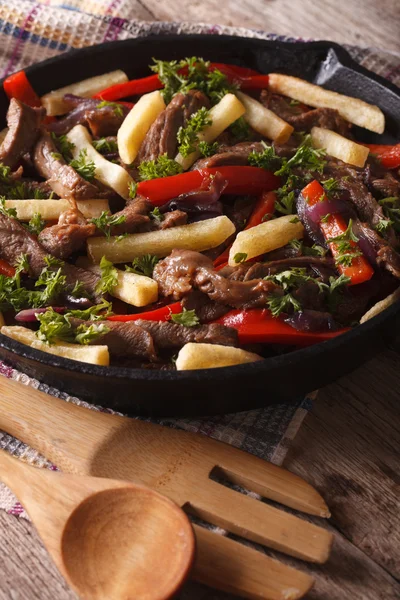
6,269
246,78
159,314
17,86
258,326
265,205
360,269
389,156
241,180
135,87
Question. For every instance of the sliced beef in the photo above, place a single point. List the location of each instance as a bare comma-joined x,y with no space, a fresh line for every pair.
102,121
237,155
205,309
201,203
385,255
62,178
315,264
16,240
303,119
23,130
174,219
126,340
68,236
184,270
172,335
162,135
386,186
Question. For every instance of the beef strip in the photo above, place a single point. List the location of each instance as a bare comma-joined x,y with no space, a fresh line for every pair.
162,135
386,256
205,309
62,178
303,119
184,270
23,129
68,236
259,270
168,335
173,219
104,121
386,186
237,155
16,240
127,340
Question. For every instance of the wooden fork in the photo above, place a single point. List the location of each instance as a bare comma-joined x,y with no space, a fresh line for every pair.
178,464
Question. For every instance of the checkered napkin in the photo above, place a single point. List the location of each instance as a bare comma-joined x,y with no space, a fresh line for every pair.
33,31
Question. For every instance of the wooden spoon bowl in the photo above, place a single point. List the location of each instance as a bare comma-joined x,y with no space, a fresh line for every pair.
152,555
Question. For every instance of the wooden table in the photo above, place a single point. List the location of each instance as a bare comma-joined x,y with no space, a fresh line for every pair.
349,445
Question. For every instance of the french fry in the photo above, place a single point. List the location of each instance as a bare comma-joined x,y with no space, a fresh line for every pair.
209,356
96,355
265,121
223,114
54,101
50,210
3,134
339,147
381,306
136,290
352,109
108,173
196,236
137,123
265,237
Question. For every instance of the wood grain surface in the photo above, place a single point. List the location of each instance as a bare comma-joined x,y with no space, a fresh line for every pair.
349,445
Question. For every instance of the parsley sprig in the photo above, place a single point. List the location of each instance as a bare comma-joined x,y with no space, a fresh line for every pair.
105,146
56,327
345,246
267,159
84,166
160,167
115,106
306,157
109,277
188,318
64,146
188,136
143,265
106,221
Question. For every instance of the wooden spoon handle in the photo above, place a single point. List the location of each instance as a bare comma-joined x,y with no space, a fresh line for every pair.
66,434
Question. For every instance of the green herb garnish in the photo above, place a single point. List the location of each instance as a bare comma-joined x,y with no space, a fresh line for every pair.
240,257
160,167
8,212
64,146
156,215
188,318
84,166
106,221
267,159
143,265
36,224
188,136
109,277
117,108
105,146
208,149
306,157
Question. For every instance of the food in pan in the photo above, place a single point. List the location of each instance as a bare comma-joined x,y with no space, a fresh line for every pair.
206,215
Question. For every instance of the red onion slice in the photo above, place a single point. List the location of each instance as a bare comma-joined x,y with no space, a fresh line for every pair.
29,315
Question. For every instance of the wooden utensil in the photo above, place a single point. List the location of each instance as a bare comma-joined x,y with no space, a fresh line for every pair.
178,464
110,539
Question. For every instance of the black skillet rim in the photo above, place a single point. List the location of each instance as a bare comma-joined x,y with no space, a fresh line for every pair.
212,375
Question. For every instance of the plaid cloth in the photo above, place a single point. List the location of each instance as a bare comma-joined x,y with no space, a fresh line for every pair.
33,31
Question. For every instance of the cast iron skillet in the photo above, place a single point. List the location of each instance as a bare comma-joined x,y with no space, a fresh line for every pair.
278,379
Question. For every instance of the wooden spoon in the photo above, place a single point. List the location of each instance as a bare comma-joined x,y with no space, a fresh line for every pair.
110,539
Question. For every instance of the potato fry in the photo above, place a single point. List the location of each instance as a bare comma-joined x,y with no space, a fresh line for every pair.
209,356
339,147
96,355
50,210
137,123
265,121
265,237
108,173
196,236
381,306
54,101
352,109
136,290
3,134
223,114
